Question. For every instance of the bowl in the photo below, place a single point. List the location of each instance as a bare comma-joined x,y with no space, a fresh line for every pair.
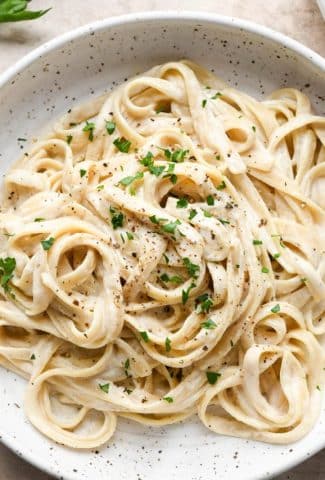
84,63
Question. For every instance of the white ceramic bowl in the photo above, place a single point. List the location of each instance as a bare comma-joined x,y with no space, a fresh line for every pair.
63,72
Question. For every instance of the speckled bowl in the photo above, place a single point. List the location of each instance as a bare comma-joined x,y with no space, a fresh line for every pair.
85,62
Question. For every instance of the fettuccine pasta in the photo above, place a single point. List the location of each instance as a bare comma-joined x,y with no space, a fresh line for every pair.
162,255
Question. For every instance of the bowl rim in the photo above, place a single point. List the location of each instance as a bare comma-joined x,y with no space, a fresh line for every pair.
152,16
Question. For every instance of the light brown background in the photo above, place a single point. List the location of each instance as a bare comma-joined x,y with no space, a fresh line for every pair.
299,19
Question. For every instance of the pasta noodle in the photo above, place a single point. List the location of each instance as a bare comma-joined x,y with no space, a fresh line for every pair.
162,254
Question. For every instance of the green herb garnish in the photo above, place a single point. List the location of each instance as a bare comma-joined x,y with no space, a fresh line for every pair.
89,127
204,303
257,242
192,214
210,200
168,399
126,181
168,344
221,185
82,172
192,269
186,293
117,218
7,267
144,336
110,127
122,144
47,244
69,139
16,11
212,377
182,203
265,270
209,324
104,387
276,308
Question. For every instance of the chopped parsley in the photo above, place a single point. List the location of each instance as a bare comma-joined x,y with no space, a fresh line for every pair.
32,357
69,139
221,185
171,226
144,336
130,236
303,280
126,181
212,377
39,219
99,188
174,279
253,128
168,399
182,203
156,170
47,244
257,242
204,102
216,95
122,144
168,344
89,127
7,267
265,270
117,218
147,161
192,269
276,308
207,214
192,214
82,172
186,293
224,222
209,324
204,303
210,200
110,127
154,219
177,156
276,255
166,258
104,387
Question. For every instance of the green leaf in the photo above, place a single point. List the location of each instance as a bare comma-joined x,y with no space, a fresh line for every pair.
39,219
192,268
204,303
207,214
7,267
110,127
168,344
117,218
69,139
144,336
216,95
257,242
128,180
15,11
147,161
204,102
89,127
276,308
104,387
182,203
212,377
209,324
221,185
224,222
168,399
265,270
47,244
130,236
192,214
186,293
170,227
156,170
122,144
210,200
82,172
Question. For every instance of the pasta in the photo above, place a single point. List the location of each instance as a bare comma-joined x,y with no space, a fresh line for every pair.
162,255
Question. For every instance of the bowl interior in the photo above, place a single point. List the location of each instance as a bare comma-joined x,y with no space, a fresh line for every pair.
97,60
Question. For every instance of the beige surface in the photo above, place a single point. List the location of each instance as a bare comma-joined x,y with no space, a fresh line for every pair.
300,19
